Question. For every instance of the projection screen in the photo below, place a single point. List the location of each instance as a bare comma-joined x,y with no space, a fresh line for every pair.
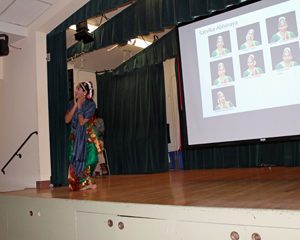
241,73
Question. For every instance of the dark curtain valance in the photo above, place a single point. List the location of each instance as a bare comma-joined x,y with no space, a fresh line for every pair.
158,52
91,9
145,16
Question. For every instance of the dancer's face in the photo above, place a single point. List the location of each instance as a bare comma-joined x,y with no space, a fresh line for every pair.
79,92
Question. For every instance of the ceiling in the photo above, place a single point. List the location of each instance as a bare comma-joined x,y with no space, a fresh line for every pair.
18,16
31,9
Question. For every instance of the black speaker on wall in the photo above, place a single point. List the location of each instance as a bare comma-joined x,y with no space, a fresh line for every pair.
4,49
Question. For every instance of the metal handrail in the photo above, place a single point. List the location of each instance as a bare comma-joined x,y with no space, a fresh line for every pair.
17,152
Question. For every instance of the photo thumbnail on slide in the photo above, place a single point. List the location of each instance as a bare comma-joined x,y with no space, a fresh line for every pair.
286,56
224,98
249,36
282,27
252,64
220,44
222,72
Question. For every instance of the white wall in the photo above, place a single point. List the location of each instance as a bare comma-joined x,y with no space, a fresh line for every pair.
24,104
19,115
42,107
172,104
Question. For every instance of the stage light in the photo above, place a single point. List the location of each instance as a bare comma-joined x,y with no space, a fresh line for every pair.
91,28
82,33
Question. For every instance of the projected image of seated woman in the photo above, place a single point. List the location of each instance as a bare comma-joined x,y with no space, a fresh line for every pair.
287,60
255,236
222,102
283,34
252,69
250,41
222,77
234,235
221,50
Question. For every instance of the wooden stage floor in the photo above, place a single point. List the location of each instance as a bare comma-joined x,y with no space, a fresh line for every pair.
267,188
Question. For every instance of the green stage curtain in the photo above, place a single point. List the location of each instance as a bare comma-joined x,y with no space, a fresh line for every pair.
133,109
58,85
145,16
244,155
58,101
91,9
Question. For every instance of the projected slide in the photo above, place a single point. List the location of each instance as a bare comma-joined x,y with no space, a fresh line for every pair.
238,54
242,65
